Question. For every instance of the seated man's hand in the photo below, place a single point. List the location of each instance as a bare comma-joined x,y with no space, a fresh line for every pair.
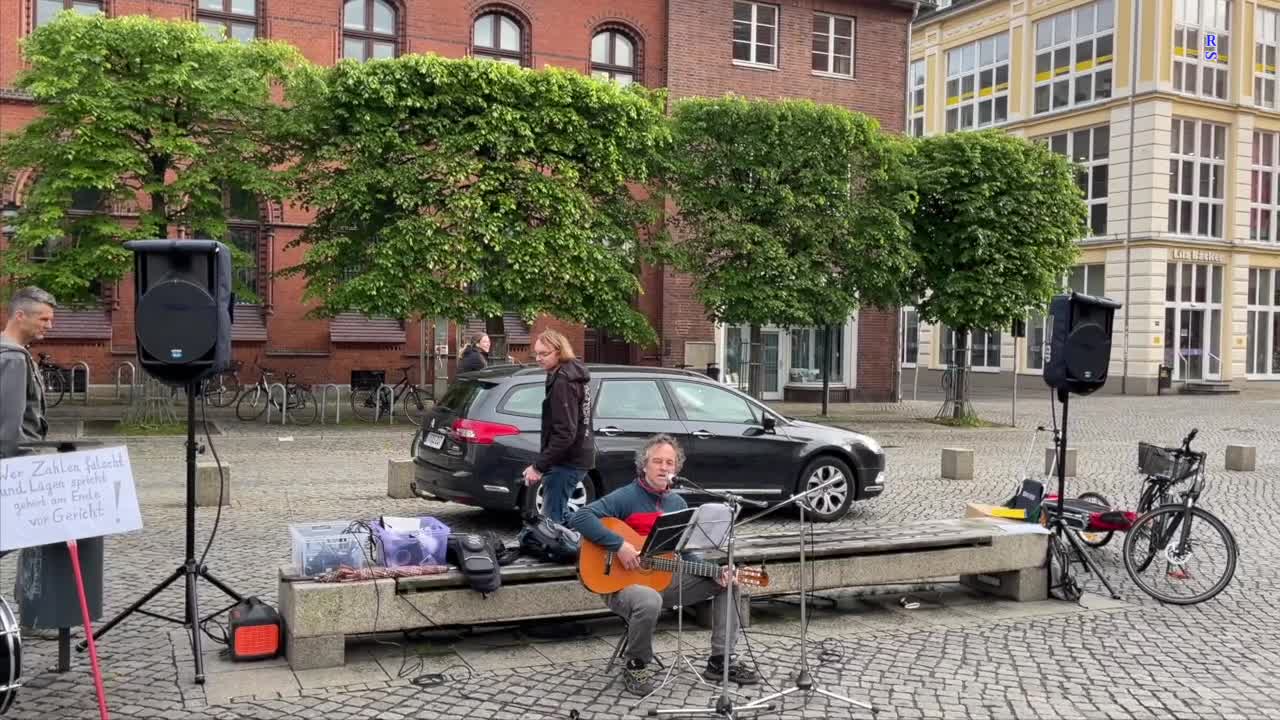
629,556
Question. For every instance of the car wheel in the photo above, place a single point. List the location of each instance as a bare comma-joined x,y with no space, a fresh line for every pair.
831,503
534,498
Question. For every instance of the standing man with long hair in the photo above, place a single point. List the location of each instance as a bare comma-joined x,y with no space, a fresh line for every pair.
567,450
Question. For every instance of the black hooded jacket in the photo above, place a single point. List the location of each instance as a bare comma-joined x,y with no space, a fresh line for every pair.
566,419
473,358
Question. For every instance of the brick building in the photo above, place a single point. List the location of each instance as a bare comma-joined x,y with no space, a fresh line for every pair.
848,52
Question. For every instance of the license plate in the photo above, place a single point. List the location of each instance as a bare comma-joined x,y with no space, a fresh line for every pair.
435,441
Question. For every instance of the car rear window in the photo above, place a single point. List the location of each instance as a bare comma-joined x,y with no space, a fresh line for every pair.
463,395
524,400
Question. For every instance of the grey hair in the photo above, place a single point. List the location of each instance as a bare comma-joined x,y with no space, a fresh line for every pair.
28,298
642,455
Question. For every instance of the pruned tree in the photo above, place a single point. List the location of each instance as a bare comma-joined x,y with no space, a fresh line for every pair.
996,228
465,188
789,213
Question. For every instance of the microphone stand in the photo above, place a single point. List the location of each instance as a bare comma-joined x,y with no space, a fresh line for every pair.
724,704
804,681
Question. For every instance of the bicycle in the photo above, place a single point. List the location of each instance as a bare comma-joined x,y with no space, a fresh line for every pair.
55,378
370,404
223,389
299,405
1164,529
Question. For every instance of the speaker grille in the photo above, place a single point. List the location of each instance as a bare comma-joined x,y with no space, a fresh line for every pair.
177,322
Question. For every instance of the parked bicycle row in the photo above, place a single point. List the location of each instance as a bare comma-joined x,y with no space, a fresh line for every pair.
370,403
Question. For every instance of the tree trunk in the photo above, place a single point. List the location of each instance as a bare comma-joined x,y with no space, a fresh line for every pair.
755,380
962,374
827,351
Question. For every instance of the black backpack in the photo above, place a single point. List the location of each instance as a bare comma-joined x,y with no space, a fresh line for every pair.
544,539
477,557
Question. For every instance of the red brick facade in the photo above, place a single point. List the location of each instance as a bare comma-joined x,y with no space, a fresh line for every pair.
684,45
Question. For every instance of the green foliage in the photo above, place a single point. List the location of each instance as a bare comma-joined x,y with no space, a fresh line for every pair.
135,107
462,188
791,213
997,226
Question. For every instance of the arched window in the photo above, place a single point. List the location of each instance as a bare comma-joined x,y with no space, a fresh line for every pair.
235,19
46,10
613,57
498,36
368,30
244,232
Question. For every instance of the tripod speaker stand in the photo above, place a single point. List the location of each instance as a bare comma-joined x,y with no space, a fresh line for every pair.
190,570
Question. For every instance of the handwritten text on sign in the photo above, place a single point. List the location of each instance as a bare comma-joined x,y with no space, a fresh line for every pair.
46,498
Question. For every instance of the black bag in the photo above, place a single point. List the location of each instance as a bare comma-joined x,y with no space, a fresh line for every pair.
1030,496
477,557
544,539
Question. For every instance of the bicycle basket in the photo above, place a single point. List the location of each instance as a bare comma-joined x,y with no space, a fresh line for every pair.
1157,460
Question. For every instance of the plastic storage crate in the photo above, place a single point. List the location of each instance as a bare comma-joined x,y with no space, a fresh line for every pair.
321,547
427,545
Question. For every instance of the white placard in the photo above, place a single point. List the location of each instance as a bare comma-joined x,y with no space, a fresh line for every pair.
53,498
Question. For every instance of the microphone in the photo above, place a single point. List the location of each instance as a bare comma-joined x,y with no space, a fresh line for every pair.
677,481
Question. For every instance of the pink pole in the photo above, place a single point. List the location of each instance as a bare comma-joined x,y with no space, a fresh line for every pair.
88,630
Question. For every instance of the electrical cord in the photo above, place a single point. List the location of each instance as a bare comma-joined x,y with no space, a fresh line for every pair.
222,481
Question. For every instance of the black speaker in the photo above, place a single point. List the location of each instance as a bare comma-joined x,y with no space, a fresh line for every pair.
183,305
1079,342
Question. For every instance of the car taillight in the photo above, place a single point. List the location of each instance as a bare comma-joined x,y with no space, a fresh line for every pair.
480,432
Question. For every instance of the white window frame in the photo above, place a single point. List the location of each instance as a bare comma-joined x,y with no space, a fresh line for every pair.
1180,281
1191,168
916,98
830,36
1194,21
1096,189
974,335
1265,309
84,7
1264,201
838,363
754,43
965,62
1266,48
909,312
1059,40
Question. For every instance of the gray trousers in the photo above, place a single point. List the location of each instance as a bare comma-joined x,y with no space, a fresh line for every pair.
640,607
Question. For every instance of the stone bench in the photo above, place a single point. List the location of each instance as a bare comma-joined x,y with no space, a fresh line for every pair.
319,617
208,481
1242,457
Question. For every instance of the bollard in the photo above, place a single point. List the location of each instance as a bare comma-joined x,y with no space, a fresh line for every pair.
957,464
1242,457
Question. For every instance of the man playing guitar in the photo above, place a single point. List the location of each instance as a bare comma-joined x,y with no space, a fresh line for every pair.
639,504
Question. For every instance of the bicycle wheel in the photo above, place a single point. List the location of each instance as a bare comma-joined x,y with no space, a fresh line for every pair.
222,389
415,405
365,407
252,404
1183,575
55,388
1145,544
1095,539
302,406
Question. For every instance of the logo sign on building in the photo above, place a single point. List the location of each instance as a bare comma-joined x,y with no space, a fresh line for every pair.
1210,46
53,498
1207,256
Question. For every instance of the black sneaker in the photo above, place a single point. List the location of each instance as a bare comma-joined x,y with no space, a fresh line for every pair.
738,673
637,679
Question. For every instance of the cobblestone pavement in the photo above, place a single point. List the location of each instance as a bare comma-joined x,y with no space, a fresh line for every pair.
954,657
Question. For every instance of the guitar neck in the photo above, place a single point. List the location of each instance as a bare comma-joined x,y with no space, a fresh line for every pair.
690,567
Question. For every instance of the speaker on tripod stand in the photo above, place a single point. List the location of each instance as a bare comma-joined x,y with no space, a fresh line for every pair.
182,322
1079,356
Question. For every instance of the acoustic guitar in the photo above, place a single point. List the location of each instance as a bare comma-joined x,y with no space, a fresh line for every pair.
601,571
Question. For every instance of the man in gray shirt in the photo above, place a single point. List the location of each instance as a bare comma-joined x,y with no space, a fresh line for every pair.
21,392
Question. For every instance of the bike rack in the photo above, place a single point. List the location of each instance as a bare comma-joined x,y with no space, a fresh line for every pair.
133,378
85,365
377,403
337,401
284,402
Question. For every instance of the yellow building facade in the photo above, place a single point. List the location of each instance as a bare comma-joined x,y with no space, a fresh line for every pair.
1172,111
